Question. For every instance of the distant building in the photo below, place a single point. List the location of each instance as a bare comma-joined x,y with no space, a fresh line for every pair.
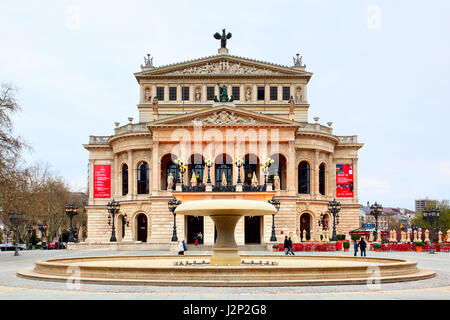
401,215
421,204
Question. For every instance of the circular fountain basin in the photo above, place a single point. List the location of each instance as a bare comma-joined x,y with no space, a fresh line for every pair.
225,213
288,271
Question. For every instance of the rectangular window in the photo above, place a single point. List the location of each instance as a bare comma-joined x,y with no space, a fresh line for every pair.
236,92
210,93
273,93
160,93
261,91
172,93
185,93
286,93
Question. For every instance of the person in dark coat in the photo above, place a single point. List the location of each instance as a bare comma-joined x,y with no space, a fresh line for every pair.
362,246
286,244
290,247
355,246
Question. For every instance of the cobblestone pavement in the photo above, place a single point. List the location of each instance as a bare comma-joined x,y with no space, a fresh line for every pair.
14,288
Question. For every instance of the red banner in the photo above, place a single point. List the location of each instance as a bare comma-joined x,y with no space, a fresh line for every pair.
102,181
344,180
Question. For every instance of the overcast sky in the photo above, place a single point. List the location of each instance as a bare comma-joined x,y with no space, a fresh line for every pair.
381,70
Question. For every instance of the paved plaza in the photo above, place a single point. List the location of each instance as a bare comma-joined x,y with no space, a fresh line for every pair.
14,288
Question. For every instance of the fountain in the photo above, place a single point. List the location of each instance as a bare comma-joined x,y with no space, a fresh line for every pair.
225,214
225,266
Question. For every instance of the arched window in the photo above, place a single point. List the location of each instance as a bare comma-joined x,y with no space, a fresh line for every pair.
172,168
196,167
322,179
124,179
251,165
303,177
279,167
142,178
223,165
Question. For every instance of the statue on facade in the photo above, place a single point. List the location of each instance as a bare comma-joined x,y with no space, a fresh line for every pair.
276,182
198,95
223,38
148,62
298,95
223,94
291,104
248,95
193,180
155,105
148,95
298,60
170,181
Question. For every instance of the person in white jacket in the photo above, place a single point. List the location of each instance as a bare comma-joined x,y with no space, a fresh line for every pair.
180,247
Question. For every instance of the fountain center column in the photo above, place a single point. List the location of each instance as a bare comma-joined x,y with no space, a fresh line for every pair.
225,251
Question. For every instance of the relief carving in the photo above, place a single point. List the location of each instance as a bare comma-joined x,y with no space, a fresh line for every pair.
224,66
224,117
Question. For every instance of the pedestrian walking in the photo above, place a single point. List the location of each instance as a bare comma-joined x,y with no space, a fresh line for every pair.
184,247
180,247
290,247
362,246
355,246
286,244
200,238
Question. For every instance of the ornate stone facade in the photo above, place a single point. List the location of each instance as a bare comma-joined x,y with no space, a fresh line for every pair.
267,119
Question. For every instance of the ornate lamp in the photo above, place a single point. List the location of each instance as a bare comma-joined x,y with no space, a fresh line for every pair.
113,208
265,168
182,168
172,205
239,162
334,207
71,211
277,205
376,210
209,164
431,216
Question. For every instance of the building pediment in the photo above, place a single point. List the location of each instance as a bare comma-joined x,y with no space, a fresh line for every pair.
223,115
223,65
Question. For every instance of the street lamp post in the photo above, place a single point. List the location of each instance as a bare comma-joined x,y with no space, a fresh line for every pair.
113,209
71,210
15,219
277,205
334,207
182,168
265,169
42,228
376,210
431,216
172,205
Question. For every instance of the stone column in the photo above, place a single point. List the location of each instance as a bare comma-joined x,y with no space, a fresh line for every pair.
280,93
203,99
330,180
290,176
255,93
315,174
116,177
132,181
156,172
153,91
166,92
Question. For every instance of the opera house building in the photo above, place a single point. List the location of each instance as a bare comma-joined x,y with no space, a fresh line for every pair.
221,127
